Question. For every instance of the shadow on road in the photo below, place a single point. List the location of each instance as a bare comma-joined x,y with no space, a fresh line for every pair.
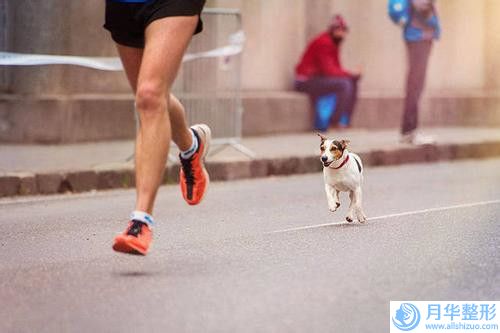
134,274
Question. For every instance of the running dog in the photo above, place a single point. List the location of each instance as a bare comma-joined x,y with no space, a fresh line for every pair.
343,171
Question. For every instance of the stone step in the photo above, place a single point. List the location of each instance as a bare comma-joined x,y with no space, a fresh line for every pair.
81,118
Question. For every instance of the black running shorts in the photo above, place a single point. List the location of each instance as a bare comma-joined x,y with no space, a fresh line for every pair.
127,21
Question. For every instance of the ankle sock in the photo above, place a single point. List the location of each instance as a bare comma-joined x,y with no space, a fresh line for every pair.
191,150
143,217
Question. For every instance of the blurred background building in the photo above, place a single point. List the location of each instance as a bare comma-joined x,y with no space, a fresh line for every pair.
68,103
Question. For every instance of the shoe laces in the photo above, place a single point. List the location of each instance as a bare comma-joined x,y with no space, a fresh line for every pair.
136,228
187,168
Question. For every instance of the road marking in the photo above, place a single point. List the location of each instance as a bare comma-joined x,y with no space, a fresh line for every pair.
415,212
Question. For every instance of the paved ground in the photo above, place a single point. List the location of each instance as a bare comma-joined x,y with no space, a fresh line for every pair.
43,158
229,265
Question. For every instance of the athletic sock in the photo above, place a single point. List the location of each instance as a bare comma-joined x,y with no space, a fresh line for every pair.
194,147
143,217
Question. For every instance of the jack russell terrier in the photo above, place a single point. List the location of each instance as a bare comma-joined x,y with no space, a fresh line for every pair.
343,171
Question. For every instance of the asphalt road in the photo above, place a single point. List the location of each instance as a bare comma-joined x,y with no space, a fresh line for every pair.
232,264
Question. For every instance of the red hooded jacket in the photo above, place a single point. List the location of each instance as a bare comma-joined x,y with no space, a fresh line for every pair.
321,58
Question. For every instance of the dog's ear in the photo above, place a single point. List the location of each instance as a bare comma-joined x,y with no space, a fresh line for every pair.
344,143
323,138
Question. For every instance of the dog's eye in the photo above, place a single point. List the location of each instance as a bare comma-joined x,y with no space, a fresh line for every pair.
322,148
333,148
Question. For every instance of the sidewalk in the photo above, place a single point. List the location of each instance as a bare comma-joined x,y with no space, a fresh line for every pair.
42,169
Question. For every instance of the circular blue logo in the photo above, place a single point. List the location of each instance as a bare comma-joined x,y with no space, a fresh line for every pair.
407,317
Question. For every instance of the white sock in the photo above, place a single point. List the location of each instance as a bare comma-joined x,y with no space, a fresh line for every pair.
194,147
144,217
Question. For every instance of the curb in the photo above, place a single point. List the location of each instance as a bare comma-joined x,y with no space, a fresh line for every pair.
75,181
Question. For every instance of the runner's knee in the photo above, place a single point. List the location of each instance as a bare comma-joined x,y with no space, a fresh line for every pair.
150,99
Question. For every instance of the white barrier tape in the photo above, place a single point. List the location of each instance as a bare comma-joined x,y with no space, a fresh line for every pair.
235,47
21,59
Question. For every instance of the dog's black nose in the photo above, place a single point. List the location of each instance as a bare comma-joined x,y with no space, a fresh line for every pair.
324,158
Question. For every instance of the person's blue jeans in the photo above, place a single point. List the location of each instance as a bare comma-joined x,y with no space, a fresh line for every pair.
345,88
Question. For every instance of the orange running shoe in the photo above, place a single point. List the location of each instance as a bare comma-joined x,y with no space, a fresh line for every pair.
135,240
194,177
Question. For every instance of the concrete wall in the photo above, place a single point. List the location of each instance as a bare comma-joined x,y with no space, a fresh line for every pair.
3,40
465,60
69,103
59,27
492,42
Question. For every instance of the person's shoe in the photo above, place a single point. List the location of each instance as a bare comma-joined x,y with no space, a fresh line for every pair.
135,239
194,177
416,139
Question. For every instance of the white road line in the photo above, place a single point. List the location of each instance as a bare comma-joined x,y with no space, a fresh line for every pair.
415,212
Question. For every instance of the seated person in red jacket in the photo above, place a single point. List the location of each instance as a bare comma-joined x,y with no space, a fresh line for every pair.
320,72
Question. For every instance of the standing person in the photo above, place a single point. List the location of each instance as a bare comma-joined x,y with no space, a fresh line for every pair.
151,37
320,72
421,27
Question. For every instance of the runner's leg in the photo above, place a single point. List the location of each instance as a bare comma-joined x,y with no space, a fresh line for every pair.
131,59
166,42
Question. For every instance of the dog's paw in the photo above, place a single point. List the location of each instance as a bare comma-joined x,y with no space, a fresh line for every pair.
333,205
361,216
349,219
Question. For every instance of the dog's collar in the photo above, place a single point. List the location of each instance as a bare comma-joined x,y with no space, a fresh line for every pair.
342,164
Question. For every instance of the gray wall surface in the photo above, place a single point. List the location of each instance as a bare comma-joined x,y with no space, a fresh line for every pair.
465,60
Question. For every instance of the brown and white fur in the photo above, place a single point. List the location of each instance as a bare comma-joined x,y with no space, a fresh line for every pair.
343,172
